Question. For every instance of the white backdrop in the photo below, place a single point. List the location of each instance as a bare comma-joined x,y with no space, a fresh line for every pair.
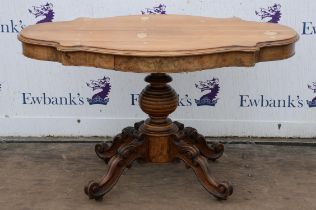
270,99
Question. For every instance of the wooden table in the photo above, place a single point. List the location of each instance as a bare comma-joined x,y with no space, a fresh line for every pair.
158,44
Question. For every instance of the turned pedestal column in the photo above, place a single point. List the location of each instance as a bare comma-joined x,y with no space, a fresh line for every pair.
158,100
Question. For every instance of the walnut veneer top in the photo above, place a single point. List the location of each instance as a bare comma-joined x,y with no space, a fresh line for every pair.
158,43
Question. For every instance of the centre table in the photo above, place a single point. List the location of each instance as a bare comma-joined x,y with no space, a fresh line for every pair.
158,45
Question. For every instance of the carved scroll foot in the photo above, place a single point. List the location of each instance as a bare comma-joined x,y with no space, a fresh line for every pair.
191,156
193,137
106,152
126,154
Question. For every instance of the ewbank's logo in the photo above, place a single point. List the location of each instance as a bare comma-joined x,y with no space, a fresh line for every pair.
212,89
43,12
312,103
70,98
288,101
160,9
271,14
11,26
102,96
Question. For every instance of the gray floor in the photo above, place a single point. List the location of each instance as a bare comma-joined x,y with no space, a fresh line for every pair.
51,176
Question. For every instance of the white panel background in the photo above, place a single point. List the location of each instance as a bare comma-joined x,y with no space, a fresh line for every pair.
275,80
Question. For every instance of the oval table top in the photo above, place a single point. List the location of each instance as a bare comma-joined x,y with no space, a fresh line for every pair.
158,43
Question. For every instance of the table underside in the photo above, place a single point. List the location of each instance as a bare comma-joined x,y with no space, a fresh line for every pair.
158,140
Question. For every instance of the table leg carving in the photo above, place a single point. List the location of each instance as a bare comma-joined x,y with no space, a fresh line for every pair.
193,137
126,154
192,158
106,152
158,140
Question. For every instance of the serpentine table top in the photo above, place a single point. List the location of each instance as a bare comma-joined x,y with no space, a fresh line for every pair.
158,43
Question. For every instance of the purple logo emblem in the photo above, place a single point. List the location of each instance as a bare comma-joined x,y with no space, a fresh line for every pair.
312,103
45,12
212,87
102,96
161,10
271,14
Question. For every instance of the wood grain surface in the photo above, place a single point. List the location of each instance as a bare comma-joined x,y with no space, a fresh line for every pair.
158,43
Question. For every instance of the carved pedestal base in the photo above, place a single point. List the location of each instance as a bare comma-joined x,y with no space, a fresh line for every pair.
158,140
